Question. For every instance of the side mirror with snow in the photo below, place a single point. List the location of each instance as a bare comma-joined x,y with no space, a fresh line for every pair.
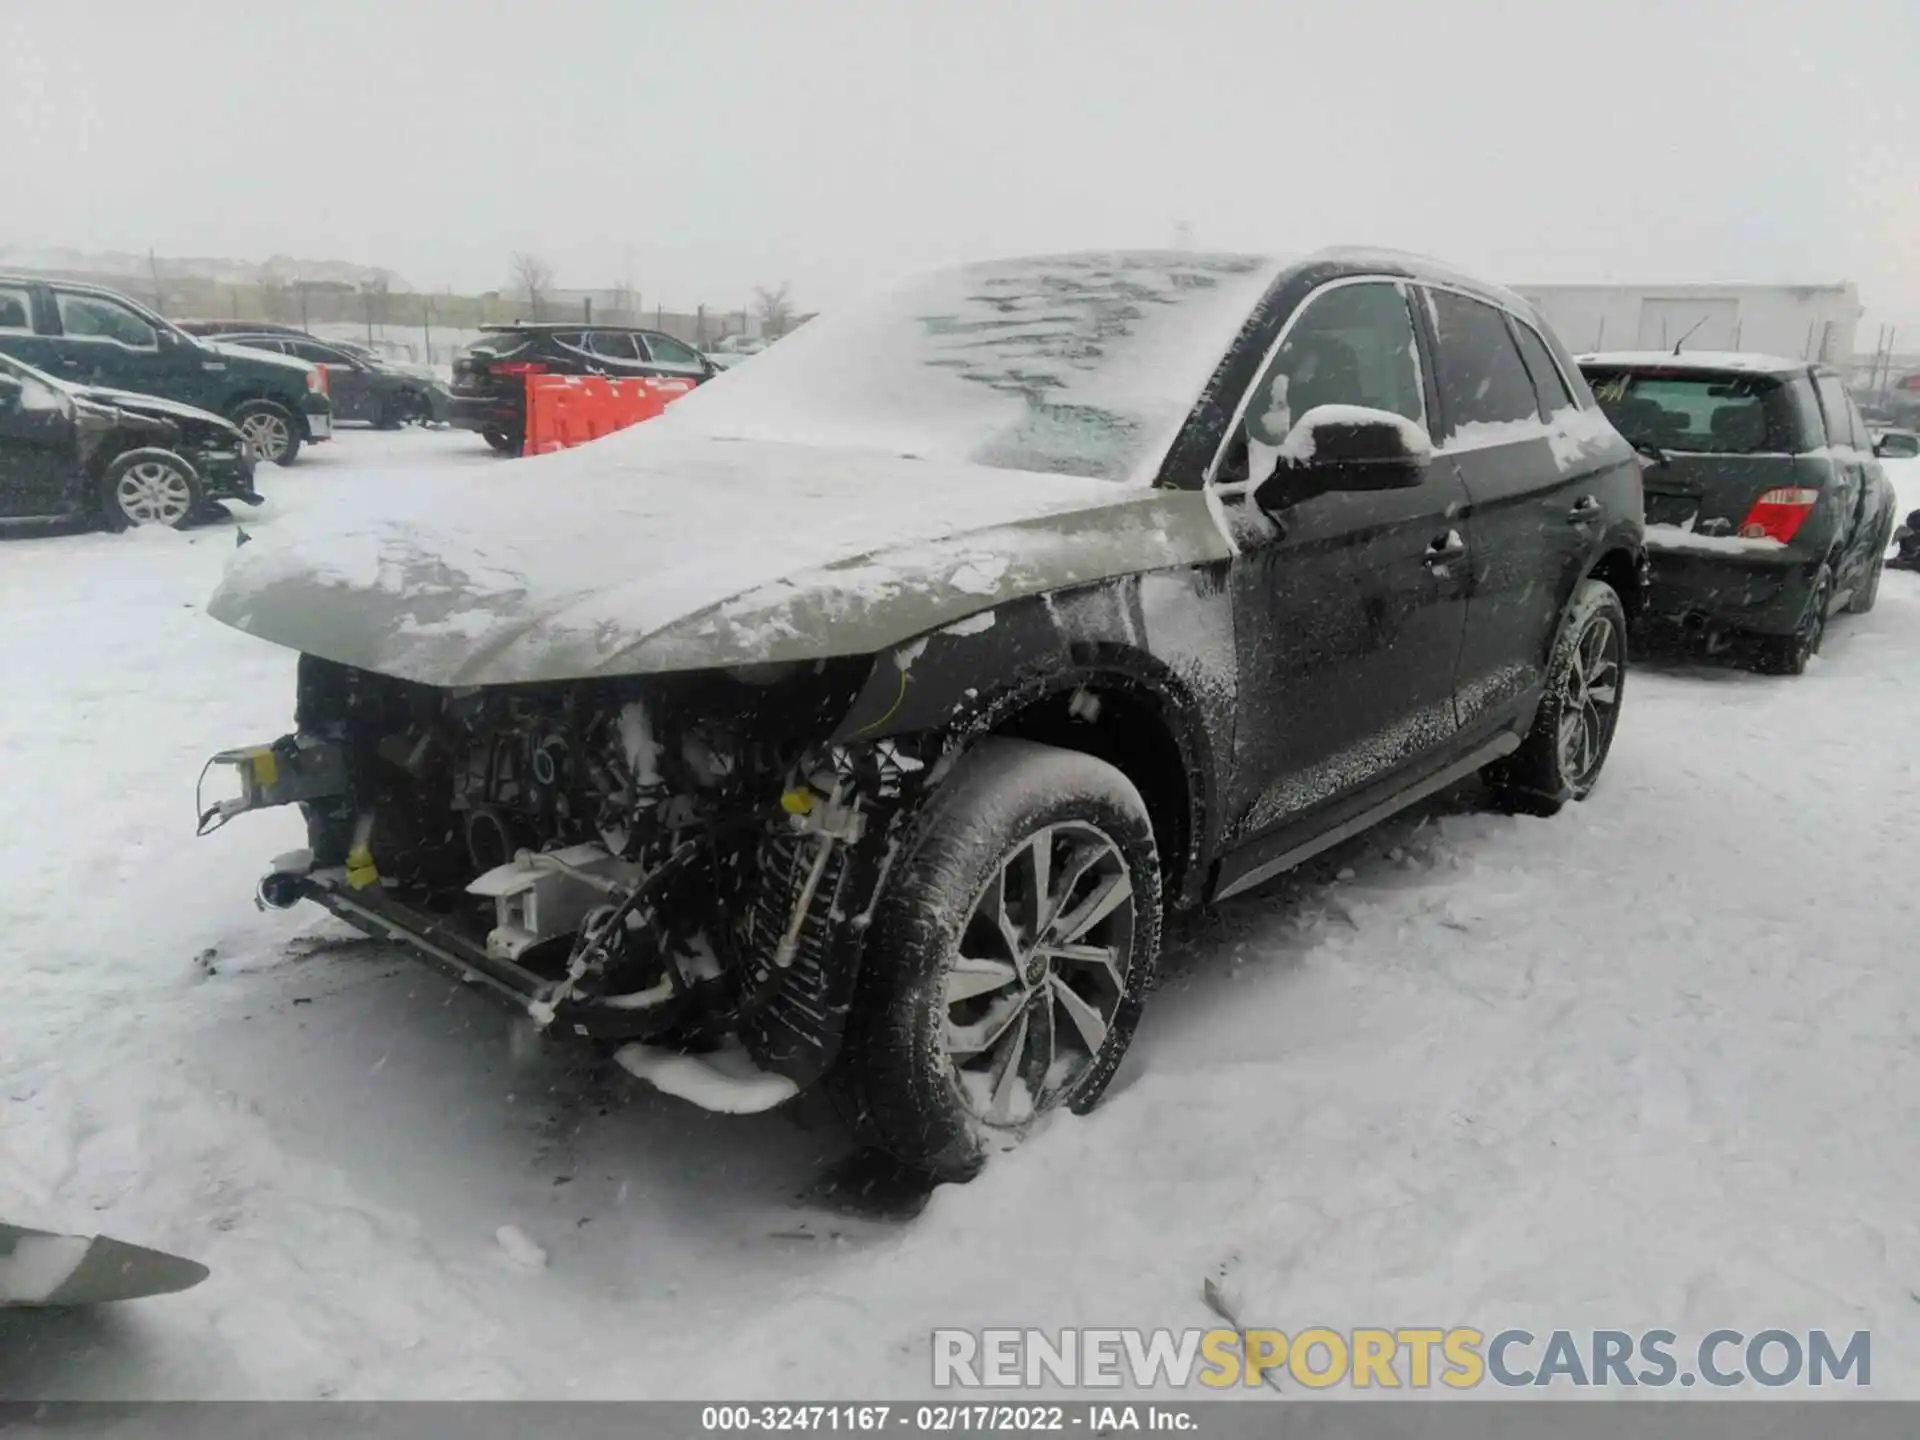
1345,448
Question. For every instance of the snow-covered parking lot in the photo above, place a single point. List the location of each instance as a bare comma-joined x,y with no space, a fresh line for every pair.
1655,1062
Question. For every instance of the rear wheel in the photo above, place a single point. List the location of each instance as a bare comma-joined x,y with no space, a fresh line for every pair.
1788,654
1561,758
270,430
1008,961
501,441
150,487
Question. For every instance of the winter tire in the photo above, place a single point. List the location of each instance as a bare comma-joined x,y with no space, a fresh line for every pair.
270,429
150,487
1788,654
1561,758
1008,960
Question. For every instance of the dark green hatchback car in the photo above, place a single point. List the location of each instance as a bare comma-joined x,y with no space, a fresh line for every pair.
92,336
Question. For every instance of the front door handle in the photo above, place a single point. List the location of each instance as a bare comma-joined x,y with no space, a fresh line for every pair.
1585,510
1447,548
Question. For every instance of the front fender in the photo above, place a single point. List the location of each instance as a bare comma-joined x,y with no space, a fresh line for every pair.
1163,641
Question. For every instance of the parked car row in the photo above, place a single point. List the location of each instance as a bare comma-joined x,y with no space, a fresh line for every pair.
869,737
110,412
92,336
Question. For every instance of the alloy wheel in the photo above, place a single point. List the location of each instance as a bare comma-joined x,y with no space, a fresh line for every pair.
1040,973
267,434
1589,701
154,492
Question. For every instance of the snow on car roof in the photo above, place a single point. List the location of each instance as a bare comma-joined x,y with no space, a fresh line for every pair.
1424,267
1078,364
1694,360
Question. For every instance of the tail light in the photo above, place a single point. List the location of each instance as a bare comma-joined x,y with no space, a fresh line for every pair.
517,367
1778,514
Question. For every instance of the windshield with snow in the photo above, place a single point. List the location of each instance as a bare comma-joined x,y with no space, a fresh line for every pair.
1075,364
1707,414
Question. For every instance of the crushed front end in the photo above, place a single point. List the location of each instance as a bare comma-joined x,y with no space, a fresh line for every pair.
683,859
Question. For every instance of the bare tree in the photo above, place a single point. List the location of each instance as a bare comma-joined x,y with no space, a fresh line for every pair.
775,309
533,276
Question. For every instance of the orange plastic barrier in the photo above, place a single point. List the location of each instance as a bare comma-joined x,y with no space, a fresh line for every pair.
568,410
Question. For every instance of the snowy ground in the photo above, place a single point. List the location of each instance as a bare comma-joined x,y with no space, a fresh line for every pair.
1652,1063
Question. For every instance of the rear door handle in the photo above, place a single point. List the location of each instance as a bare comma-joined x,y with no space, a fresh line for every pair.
1585,509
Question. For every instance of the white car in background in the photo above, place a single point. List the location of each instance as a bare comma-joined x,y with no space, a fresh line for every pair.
732,349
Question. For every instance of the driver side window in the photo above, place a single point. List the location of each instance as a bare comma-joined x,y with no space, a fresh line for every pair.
96,317
1349,345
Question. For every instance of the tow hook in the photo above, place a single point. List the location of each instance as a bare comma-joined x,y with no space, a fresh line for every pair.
291,769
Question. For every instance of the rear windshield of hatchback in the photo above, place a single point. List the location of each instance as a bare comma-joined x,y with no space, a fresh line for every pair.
1706,413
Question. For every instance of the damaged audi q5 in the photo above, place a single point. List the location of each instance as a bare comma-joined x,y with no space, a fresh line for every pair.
861,718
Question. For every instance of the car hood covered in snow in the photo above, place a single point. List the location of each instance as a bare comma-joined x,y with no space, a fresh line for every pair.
687,552
980,434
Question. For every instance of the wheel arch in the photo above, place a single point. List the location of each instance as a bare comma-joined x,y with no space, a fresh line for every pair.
1140,670
1621,563
1114,708
253,390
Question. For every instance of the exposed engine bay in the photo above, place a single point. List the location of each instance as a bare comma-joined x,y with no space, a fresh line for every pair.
682,857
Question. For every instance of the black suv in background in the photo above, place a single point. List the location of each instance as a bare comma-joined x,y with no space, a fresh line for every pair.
363,386
1767,508
490,376
96,337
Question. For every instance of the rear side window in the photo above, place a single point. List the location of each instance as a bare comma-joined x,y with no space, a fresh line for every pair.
613,345
94,317
1482,381
1552,390
1702,413
1862,436
1839,413
16,311
668,351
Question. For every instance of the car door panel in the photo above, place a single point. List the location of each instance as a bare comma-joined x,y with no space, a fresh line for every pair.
1350,605
1350,621
1858,503
39,465
1532,520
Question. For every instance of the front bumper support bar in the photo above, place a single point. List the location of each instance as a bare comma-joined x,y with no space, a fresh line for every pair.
369,911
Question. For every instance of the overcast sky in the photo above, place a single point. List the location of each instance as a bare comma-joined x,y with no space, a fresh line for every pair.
717,144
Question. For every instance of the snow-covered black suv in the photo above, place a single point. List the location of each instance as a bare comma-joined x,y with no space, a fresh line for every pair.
864,716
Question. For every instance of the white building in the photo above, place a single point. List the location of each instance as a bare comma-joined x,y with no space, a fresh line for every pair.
1814,322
